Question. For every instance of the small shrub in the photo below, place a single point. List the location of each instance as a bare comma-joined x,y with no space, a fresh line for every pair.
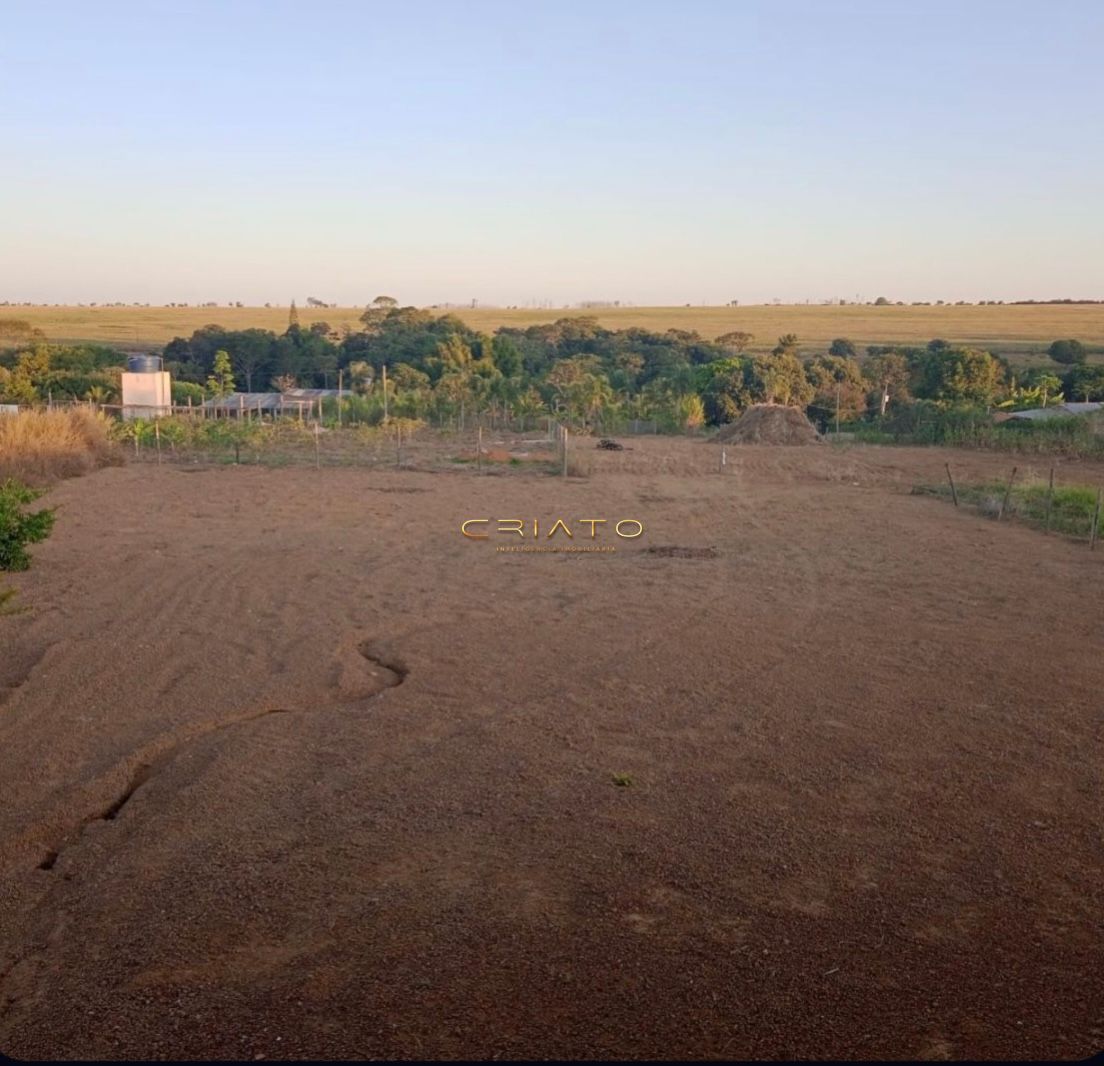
623,780
19,527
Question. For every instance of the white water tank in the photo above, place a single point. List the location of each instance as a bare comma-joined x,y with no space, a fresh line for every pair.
147,388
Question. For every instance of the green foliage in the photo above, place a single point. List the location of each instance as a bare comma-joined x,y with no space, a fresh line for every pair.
1071,506
971,427
1067,351
60,372
183,391
778,378
787,345
220,382
736,341
842,348
19,527
1035,388
724,391
957,375
1085,383
441,370
837,381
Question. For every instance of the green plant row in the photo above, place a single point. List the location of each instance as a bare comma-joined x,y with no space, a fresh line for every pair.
1071,506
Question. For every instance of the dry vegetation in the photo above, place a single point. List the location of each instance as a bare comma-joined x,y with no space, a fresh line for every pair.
38,447
1021,330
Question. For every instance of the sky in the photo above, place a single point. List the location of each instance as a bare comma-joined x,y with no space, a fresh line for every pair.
532,153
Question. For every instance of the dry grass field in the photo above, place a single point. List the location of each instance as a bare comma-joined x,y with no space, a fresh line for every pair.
811,769
1023,331
38,447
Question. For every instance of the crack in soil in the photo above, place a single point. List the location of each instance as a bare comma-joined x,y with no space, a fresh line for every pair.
395,673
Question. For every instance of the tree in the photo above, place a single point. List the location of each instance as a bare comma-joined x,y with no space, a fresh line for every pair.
690,411
779,378
377,312
1049,386
453,355
959,375
293,316
736,341
220,383
1068,352
725,393
838,384
251,353
888,372
506,355
842,348
787,345
360,375
1085,383
881,302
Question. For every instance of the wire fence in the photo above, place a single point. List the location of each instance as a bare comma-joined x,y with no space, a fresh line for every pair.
329,411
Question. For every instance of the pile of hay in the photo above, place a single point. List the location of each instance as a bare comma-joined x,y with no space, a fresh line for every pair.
769,423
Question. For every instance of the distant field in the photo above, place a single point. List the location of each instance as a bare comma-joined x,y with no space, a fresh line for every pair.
1021,331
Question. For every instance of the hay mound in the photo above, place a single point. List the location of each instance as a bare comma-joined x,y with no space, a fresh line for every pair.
770,423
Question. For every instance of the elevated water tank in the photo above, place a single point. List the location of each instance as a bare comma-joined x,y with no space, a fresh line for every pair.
146,388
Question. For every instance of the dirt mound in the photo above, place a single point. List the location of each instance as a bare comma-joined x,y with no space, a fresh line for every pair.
770,423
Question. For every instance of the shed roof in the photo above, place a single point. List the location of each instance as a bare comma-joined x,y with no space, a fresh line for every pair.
292,400
1059,410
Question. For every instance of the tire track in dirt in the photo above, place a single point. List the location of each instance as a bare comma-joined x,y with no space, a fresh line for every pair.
28,665
394,674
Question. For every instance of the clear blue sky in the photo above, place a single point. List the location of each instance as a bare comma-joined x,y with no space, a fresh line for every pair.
511,152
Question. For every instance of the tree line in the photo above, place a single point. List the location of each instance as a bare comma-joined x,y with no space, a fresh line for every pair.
440,369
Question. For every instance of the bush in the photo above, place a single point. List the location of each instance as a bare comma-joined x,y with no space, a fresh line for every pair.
19,527
1068,352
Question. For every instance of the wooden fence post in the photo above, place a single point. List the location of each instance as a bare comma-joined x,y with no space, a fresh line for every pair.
1007,494
954,491
1096,520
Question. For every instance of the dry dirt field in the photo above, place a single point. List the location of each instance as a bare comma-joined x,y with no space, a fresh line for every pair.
290,768
1023,331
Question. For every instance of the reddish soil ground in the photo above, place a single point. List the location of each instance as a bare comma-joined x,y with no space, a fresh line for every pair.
290,768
